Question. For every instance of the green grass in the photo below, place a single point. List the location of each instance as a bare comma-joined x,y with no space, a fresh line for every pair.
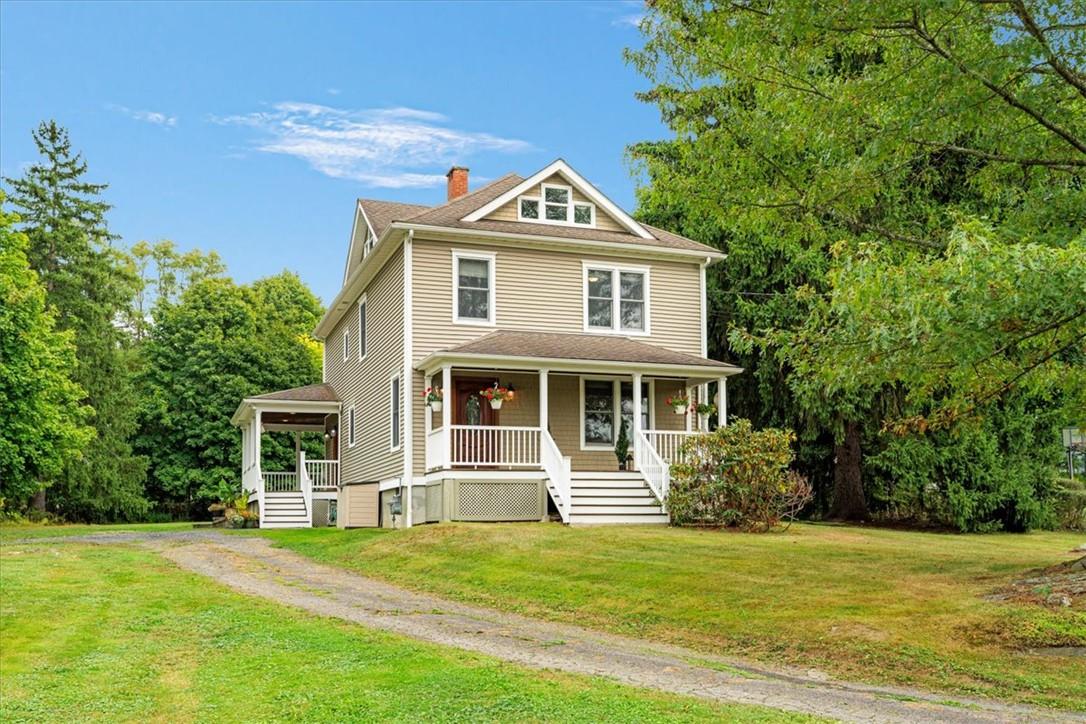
10,531
874,605
115,633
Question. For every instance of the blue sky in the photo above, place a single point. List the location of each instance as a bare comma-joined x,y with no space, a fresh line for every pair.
250,128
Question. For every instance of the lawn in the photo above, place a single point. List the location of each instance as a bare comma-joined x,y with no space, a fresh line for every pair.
875,605
15,531
115,633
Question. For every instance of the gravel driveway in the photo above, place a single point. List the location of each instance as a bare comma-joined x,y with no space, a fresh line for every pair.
251,565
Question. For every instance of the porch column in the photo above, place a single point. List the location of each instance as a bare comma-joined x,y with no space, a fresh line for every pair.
244,458
722,402
689,421
703,397
298,455
544,400
636,391
446,413
427,424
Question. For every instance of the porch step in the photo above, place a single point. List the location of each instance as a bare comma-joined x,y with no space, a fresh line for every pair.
612,475
602,490
577,518
613,500
284,509
620,483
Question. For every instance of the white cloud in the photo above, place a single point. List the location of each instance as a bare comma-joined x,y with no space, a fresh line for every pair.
381,147
158,119
634,21
334,91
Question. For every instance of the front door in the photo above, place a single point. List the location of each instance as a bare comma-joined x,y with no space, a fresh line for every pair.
471,410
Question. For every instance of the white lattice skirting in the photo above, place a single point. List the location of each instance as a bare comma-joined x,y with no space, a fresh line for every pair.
497,501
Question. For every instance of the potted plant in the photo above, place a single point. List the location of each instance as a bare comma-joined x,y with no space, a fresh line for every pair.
434,397
622,446
496,395
706,408
680,403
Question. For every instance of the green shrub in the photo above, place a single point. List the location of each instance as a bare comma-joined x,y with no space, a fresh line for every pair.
737,477
992,473
1071,504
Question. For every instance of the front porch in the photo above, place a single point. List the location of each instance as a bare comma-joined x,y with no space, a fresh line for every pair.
307,495
561,422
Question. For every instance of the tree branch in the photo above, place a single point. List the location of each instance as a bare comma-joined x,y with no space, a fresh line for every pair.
1068,74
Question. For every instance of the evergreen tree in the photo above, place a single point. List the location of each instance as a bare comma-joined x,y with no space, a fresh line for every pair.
41,418
88,283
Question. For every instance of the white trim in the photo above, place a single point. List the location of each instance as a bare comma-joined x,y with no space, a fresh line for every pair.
395,381
562,168
704,309
492,298
352,433
542,204
406,438
616,300
359,210
616,406
363,329
560,365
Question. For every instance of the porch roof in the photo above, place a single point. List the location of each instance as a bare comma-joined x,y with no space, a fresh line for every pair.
297,407
583,351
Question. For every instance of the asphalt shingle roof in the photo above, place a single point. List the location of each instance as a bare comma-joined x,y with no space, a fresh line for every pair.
321,392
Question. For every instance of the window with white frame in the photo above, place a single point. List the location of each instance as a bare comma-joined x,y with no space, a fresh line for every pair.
473,288
556,205
605,404
394,412
616,299
362,328
350,427
346,343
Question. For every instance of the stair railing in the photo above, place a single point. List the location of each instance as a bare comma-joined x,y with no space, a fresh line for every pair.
558,469
654,469
306,485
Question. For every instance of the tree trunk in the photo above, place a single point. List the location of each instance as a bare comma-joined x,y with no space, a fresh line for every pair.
848,488
38,501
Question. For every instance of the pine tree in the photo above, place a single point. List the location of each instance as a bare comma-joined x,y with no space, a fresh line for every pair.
90,286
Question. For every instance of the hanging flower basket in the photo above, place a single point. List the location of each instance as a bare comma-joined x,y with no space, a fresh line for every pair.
680,404
434,396
496,396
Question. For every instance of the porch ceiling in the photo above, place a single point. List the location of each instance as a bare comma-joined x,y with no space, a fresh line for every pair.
575,352
299,407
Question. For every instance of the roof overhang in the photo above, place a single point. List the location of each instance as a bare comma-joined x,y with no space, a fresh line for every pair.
435,361
303,409
357,280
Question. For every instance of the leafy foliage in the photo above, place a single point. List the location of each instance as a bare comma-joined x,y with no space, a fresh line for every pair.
43,419
808,134
70,247
737,476
218,344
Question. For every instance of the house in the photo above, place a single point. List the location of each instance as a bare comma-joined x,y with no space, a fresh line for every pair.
541,317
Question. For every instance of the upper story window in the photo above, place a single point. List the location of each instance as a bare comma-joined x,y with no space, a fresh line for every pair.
346,343
394,413
350,427
556,206
362,327
616,299
473,288
371,241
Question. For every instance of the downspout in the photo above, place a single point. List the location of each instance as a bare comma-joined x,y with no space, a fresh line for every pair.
407,387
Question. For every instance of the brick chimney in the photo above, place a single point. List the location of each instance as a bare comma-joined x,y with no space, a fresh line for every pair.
458,182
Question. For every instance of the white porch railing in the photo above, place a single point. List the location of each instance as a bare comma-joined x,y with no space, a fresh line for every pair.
558,469
655,470
516,447
324,474
668,443
435,449
280,482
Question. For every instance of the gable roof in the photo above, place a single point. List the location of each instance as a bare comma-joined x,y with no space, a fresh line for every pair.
564,170
320,392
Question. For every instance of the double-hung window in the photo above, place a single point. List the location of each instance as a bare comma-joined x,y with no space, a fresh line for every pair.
605,404
350,427
362,328
473,288
346,343
616,299
394,412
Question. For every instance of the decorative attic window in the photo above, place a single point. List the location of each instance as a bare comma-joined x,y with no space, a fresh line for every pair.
371,241
558,207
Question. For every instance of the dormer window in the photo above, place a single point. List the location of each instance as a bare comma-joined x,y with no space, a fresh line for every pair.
558,208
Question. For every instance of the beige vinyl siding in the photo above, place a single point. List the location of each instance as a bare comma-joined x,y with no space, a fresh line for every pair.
508,212
365,383
358,506
542,290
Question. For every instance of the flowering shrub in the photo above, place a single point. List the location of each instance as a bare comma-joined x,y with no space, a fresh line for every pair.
496,393
737,477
